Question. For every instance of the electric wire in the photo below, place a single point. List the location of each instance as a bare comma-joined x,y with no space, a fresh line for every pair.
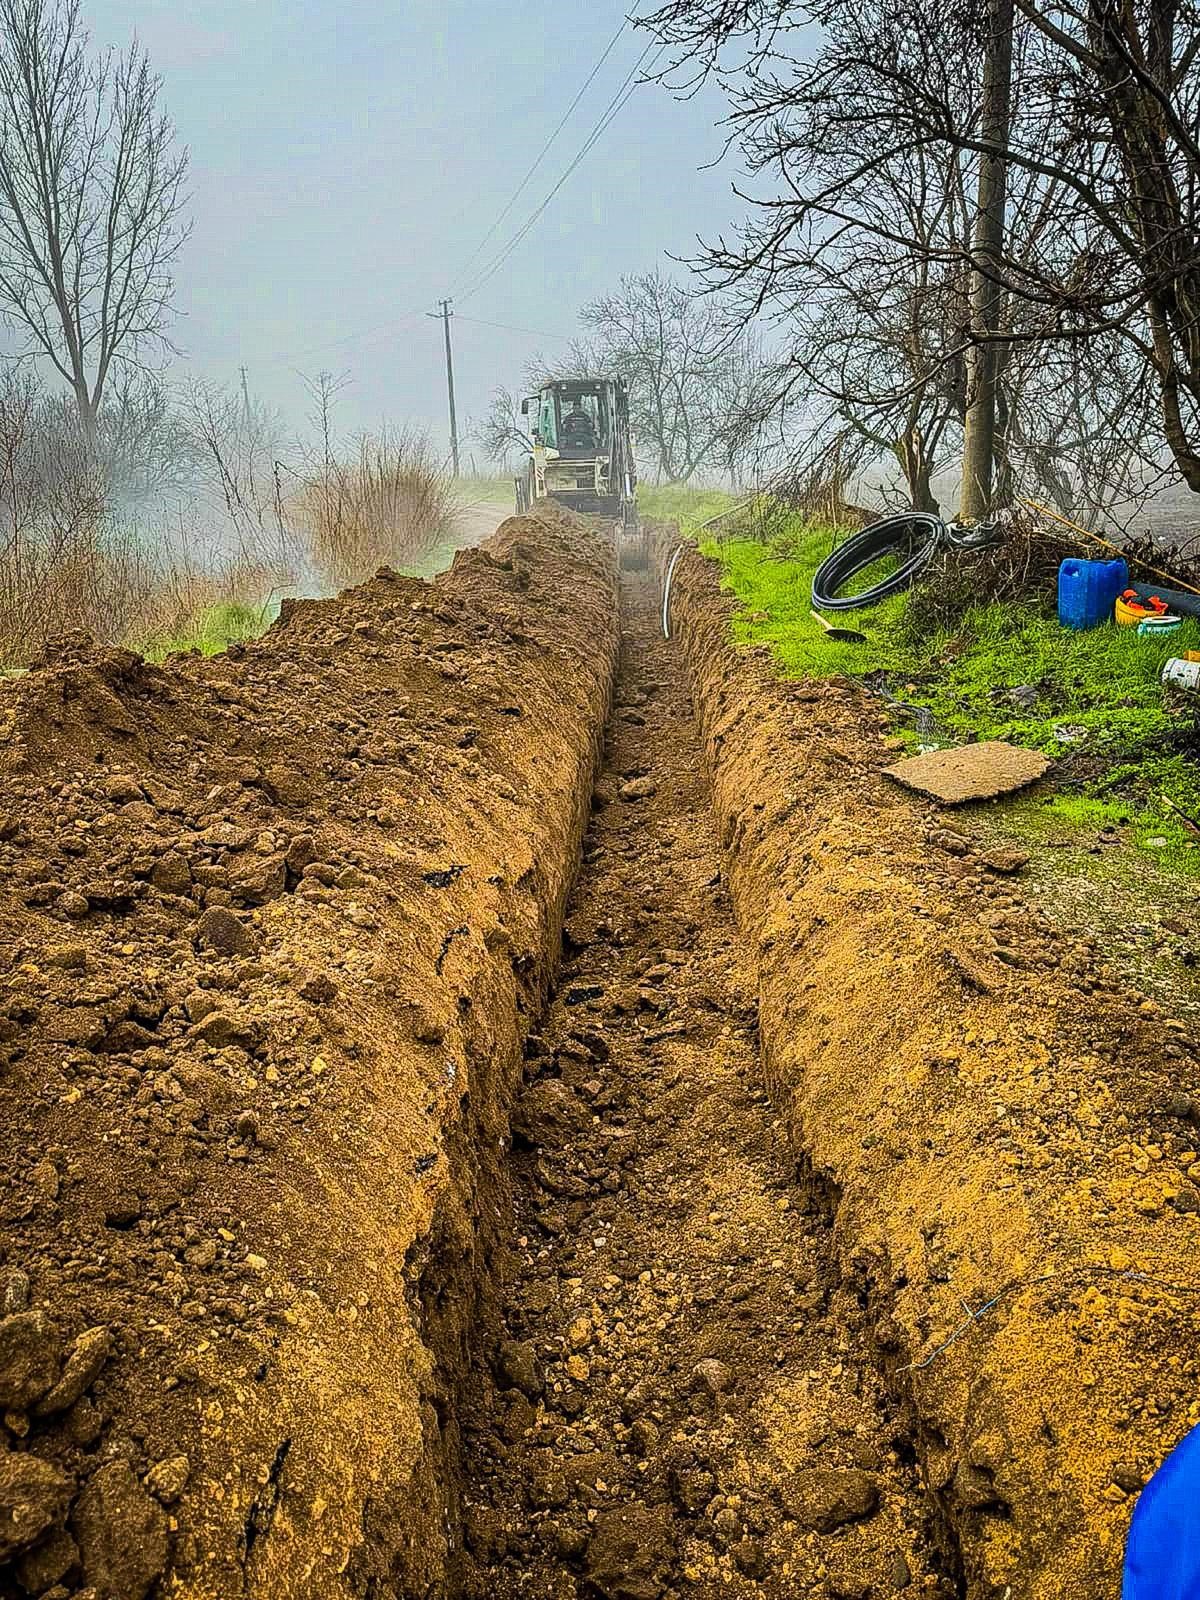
611,111
542,154
508,327
912,538
615,106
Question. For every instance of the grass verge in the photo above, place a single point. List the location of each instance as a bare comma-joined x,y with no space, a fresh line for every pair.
1007,670
210,631
683,503
494,486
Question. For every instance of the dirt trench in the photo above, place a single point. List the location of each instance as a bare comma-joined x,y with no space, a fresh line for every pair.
279,925
682,1400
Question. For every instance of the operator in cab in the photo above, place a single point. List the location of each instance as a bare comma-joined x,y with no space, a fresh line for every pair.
577,433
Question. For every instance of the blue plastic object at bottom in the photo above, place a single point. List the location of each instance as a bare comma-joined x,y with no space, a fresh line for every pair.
1162,1557
1088,590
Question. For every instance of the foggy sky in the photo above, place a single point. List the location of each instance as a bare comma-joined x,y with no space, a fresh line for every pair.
347,158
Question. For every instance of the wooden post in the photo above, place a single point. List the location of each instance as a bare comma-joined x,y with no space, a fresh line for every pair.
445,304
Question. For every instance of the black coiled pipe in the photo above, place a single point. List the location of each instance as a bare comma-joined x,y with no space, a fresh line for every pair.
916,534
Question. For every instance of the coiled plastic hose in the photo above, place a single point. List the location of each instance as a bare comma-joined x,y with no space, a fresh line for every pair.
915,534
919,533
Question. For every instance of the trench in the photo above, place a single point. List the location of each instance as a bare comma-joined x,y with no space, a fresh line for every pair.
679,1400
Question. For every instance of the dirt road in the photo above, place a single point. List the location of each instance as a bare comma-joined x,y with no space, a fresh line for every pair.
477,518
681,1402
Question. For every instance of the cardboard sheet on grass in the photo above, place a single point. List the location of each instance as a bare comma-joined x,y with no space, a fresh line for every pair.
973,772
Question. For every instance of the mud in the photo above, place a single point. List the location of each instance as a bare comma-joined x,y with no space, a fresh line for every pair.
276,924
1005,1134
682,1400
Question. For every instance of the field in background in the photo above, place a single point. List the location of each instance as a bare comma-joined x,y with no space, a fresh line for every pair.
683,503
491,488
70,559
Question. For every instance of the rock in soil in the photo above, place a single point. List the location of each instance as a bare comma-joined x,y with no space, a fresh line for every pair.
33,1496
629,1554
122,1534
274,924
825,1499
30,1353
675,1313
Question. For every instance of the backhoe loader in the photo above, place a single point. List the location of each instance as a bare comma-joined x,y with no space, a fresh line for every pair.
582,451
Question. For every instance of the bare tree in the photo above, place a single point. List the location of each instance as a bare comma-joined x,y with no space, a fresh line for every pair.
144,444
693,381
239,474
91,198
1102,133
501,433
869,365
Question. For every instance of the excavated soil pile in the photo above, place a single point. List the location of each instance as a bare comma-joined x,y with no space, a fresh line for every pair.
275,925
1006,1138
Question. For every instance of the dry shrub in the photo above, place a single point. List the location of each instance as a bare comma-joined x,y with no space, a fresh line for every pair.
106,577
65,562
1022,566
185,598
71,558
53,579
1147,554
385,508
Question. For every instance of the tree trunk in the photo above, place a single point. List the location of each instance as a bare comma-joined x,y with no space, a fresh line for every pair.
979,440
88,415
918,472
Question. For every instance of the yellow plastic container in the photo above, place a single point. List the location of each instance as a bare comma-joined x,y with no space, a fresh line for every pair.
1127,616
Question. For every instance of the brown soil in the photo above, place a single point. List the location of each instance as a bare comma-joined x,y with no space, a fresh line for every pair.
683,1401
276,924
1007,1133
280,926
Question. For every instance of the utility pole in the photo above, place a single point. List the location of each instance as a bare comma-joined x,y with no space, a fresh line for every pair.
246,396
987,296
445,315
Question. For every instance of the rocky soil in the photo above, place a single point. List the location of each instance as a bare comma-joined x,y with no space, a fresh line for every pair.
682,1398
276,924
1005,1131
807,1216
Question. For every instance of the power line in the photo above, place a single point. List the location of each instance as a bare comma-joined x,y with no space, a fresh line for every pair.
542,154
611,111
607,116
508,327
349,338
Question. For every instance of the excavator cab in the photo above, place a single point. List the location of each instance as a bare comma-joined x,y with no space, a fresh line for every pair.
582,449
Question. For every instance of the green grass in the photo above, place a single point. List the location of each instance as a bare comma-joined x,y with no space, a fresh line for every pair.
1095,700
774,584
1159,833
210,631
435,559
490,486
683,503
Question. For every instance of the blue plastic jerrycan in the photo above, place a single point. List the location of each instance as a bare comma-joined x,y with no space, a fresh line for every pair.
1088,590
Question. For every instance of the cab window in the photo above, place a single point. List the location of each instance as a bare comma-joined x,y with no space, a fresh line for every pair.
548,423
